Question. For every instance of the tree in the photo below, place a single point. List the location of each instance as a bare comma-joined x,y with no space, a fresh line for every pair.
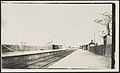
106,20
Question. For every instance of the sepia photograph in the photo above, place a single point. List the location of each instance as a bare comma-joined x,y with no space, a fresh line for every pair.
58,36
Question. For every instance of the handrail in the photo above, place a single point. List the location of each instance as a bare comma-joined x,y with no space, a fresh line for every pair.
8,48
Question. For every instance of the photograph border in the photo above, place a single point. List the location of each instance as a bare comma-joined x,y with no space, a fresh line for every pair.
113,21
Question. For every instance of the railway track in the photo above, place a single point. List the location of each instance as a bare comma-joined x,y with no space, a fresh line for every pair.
41,62
47,61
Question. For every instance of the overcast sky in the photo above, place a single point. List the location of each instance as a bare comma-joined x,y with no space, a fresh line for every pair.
37,24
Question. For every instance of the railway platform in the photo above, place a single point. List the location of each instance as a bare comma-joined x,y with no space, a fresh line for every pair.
20,53
83,59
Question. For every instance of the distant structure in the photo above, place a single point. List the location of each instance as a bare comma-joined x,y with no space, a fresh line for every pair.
51,46
84,47
91,44
24,47
12,48
87,46
56,46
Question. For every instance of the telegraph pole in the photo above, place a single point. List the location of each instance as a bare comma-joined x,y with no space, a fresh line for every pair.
94,37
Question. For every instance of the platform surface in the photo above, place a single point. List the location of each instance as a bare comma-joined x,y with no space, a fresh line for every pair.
18,53
83,59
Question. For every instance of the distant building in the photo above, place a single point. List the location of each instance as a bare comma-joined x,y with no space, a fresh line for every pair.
51,46
91,44
56,46
84,47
